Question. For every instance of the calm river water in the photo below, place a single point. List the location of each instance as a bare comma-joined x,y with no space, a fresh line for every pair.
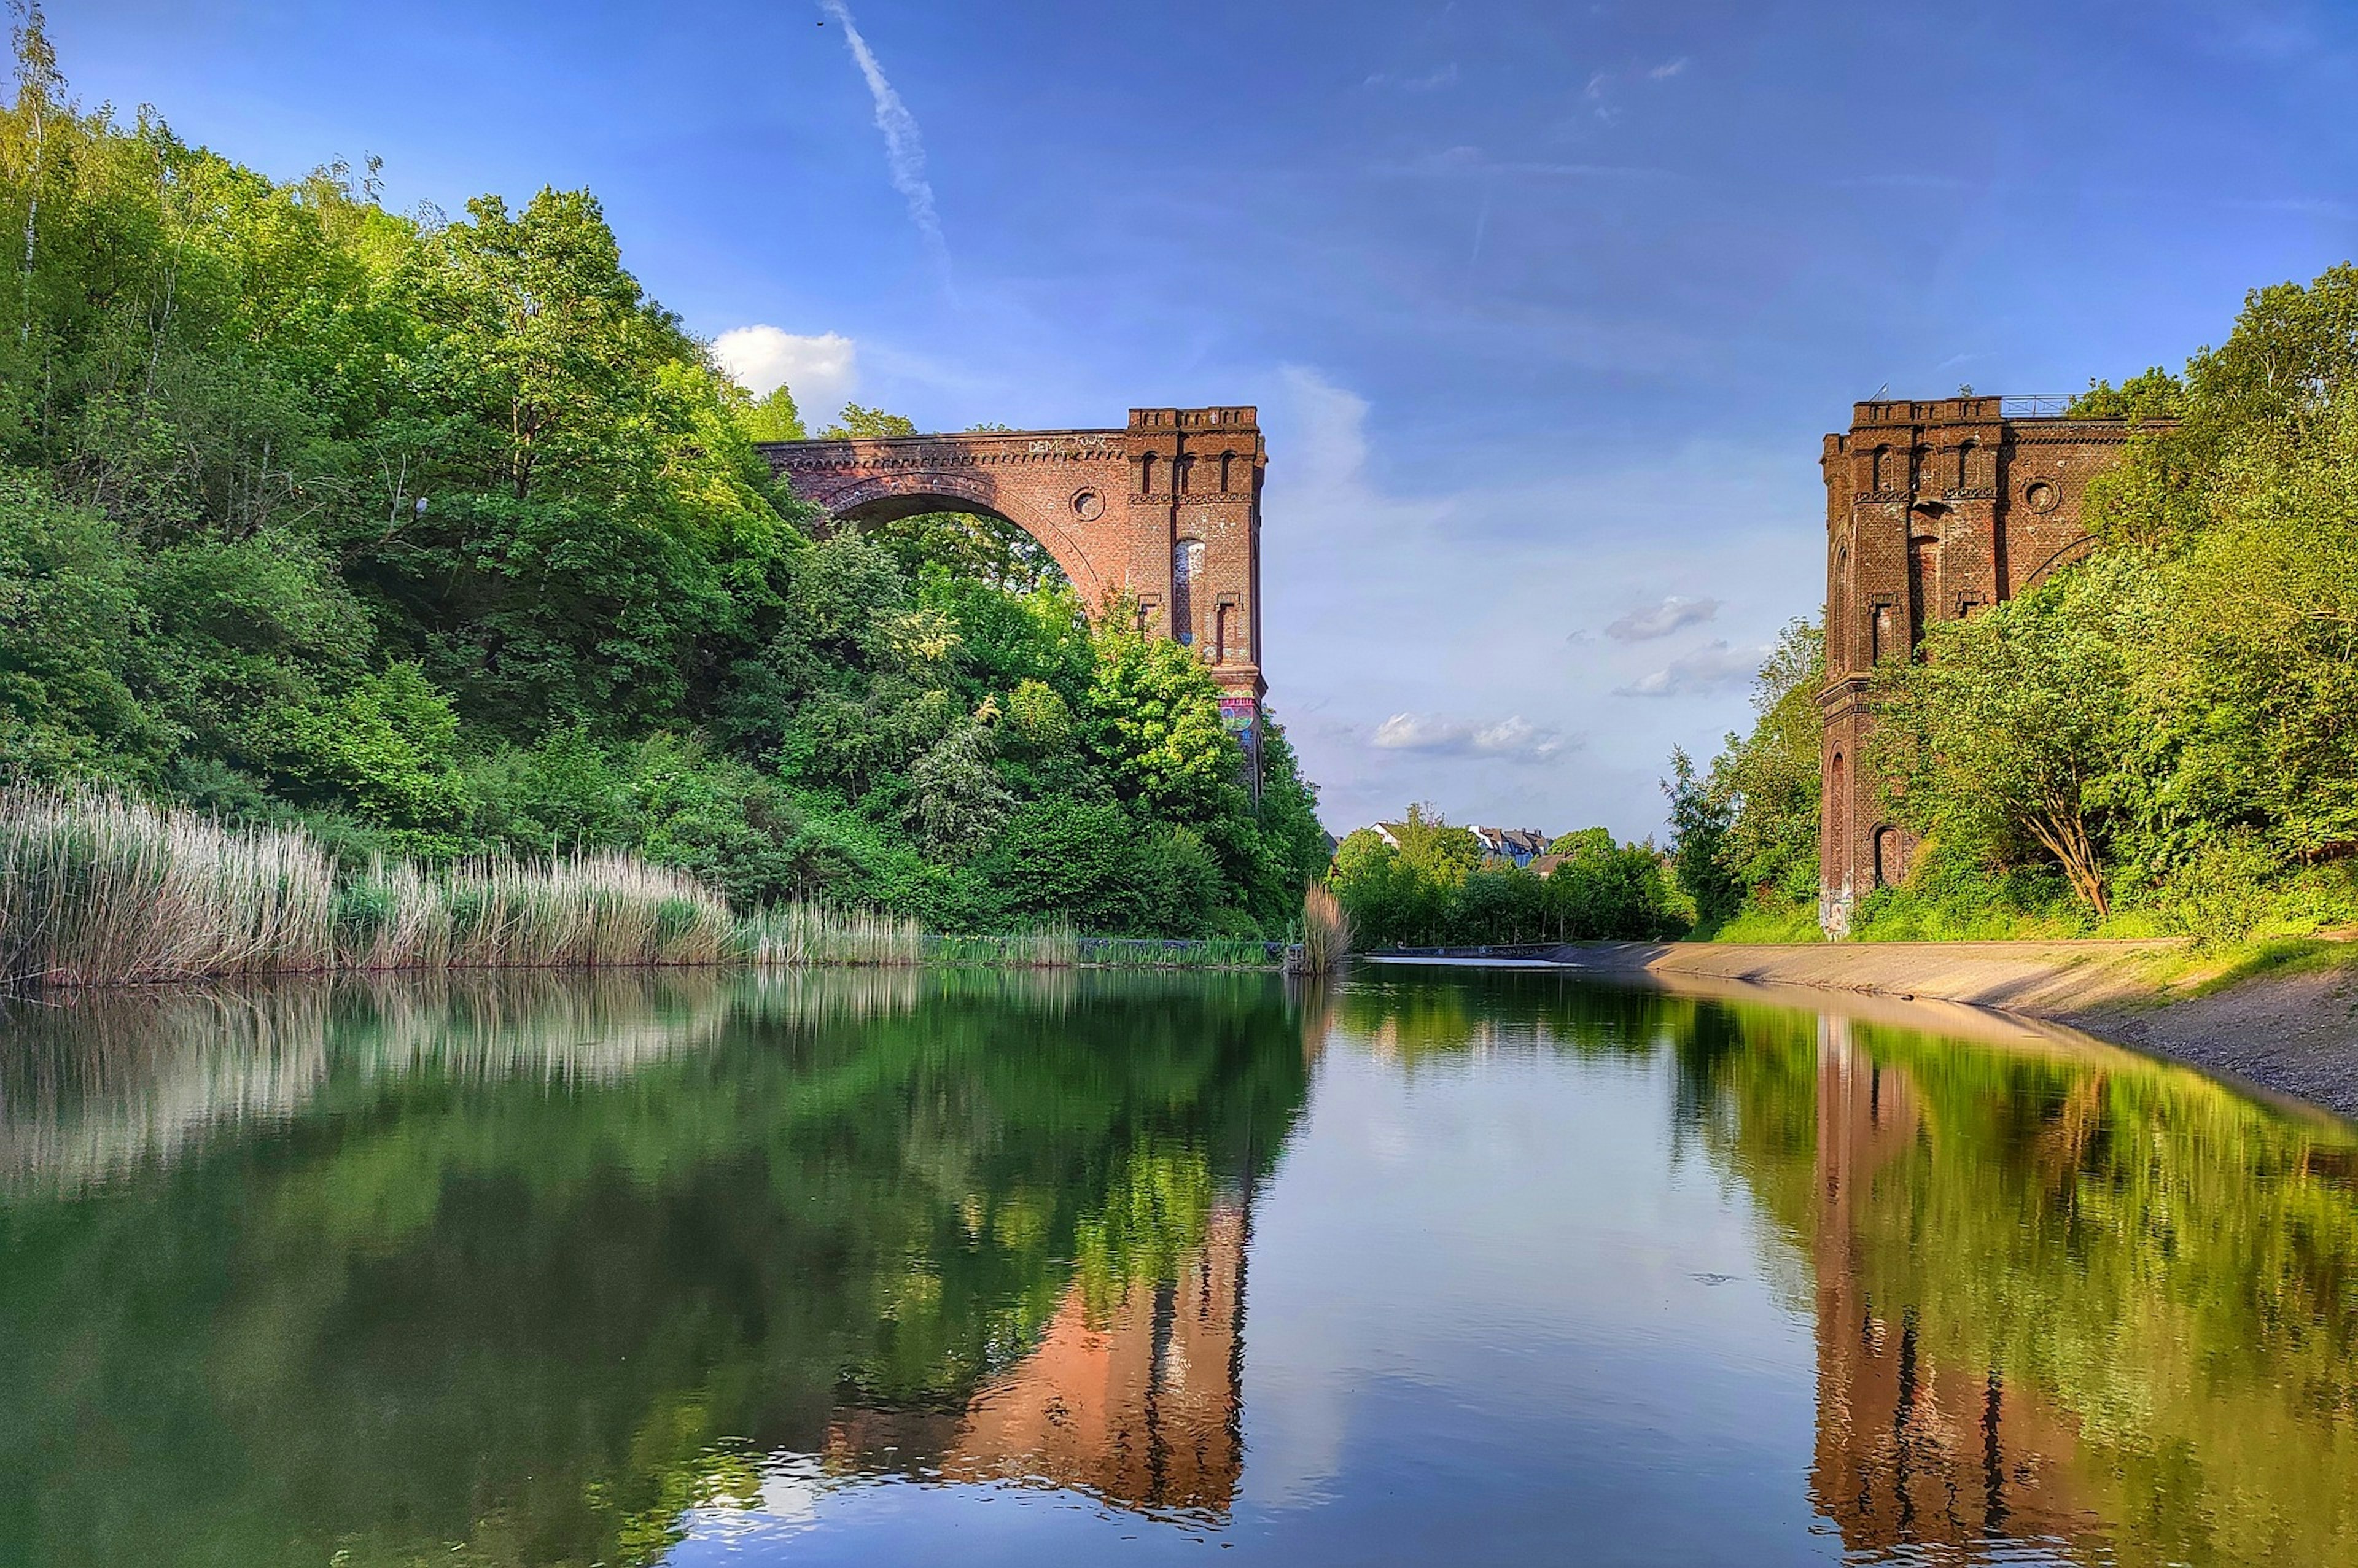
1441,1268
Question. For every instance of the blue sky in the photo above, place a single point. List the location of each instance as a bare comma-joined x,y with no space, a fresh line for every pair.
1546,307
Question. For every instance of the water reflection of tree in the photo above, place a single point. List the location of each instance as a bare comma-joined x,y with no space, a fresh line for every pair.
2066,1293
550,1315
2164,1265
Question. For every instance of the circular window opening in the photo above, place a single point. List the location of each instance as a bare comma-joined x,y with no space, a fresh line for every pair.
1087,505
2040,496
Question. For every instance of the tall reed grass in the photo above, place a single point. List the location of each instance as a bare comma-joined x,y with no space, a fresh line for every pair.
1326,933
598,910
95,889
796,934
1053,947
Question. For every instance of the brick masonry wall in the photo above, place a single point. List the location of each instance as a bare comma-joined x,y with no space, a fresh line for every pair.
1934,510
1164,512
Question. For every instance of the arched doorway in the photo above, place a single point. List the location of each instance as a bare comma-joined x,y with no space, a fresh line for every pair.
1890,857
1837,824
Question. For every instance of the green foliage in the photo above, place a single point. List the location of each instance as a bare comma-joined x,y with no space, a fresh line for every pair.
1700,818
989,550
1432,888
2011,733
2220,893
1770,777
389,745
1153,722
439,537
1744,832
70,622
856,423
1097,866
960,801
775,418
2155,394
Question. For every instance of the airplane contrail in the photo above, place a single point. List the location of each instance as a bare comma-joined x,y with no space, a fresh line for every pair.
904,147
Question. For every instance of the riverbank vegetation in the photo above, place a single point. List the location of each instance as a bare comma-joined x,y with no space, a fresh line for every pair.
433,539
2162,737
100,890
1431,885
1326,933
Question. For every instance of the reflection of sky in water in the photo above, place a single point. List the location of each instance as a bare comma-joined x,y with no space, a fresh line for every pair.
1482,1301
981,1268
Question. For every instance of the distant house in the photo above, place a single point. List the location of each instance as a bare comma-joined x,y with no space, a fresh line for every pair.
1519,845
1545,865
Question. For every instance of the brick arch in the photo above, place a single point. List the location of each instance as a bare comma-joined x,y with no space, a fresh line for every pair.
2078,550
1111,507
888,498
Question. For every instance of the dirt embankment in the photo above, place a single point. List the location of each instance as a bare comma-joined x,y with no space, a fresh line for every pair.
2293,1029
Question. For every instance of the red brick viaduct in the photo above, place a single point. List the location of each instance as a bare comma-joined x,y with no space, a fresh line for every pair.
1933,510
1163,513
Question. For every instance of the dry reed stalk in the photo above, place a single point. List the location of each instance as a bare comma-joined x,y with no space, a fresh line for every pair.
96,889
598,910
803,935
1051,947
1326,931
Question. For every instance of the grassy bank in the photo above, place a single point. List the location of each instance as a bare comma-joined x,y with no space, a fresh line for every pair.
102,891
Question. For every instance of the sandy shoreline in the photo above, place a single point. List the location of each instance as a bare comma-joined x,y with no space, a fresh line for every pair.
2292,1031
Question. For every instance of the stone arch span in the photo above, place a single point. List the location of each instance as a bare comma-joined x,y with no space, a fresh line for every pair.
1164,512
888,498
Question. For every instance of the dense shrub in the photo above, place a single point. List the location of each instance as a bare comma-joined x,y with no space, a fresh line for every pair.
1434,888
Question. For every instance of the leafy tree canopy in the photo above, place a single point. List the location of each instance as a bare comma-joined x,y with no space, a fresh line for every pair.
437,534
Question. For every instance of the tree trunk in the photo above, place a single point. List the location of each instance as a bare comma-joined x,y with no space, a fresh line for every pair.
2064,834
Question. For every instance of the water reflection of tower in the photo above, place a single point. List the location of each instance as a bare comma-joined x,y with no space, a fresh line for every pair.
1140,1403
1910,1451
1143,1405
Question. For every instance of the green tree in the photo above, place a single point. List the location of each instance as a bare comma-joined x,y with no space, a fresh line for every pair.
71,630
1770,777
2011,732
774,417
1700,819
1153,723
858,423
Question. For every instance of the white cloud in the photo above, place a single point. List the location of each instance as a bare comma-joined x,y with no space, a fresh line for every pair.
822,370
1514,738
1406,581
904,147
1672,614
1669,69
1713,667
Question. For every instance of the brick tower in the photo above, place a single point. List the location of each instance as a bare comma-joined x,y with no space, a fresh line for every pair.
1933,510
